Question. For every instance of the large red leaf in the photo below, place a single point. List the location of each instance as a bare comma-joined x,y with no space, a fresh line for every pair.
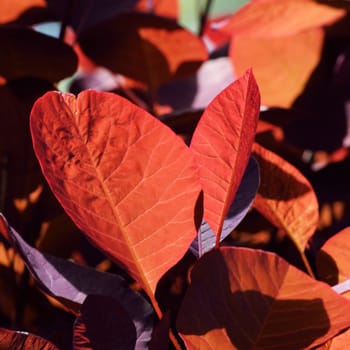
144,47
35,55
126,180
241,298
275,18
22,340
282,66
334,257
221,145
285,197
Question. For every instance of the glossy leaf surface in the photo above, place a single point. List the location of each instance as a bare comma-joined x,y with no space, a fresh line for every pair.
103,324
35,55
282,66
241,298
221,145
152,49
244,197
127,181
334,257
275,18
285,197
22,340
71,283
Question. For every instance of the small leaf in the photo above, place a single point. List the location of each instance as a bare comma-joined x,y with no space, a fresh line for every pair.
241,298
103,324
282,66
334,257
221,145
165,8
245,195
285,197
275,18
152,50
22,340
71,283
35,55
127,181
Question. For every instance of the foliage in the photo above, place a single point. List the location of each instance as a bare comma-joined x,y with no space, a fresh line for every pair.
129,197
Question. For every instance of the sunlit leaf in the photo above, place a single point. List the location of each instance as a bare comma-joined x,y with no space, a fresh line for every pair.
35,55
152,49
127,181
275,18
244,197
71,283
339,342
11,10
103,324
222,143
22,340
285,197
282,66
241,298
333,259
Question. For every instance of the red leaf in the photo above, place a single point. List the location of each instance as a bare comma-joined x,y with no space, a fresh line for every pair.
24,341
221,145
285,197
282,66
126,180
165,8
103,324
269,305
153,49
275,18
334,258
35,55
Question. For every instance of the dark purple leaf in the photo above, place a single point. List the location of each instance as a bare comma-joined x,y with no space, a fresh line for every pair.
83,14
70,282
244,197
103,324
195,92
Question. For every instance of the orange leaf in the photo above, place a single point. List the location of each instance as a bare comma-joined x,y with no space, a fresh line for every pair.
339,342
282,66
221,145
285,197
127,181
166,8
153,49
276,18
241,298
334,258
11,10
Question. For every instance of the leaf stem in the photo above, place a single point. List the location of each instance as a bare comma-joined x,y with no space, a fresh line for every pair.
204,17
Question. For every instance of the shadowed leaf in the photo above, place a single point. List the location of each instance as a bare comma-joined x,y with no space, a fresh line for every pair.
71,283
35,55
127,181
228,307
282,66
285,197
275,18
334,257
22,340
244,197
152,49
103,324
221,145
